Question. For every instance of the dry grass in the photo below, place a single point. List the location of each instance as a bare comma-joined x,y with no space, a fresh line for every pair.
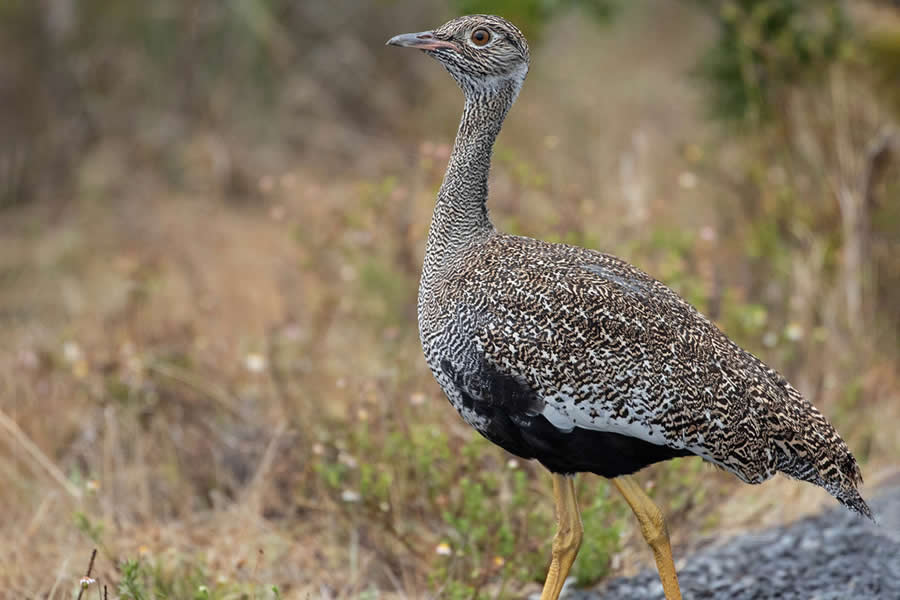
233,393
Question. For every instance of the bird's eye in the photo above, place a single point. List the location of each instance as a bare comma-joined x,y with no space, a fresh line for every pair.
481,36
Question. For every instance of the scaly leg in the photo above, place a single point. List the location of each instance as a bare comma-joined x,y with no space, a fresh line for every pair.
653,528
568,536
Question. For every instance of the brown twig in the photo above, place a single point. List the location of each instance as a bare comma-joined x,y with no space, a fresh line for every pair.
255,576
87,575
878,156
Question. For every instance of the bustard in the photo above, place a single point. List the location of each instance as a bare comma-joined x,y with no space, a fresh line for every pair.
578,359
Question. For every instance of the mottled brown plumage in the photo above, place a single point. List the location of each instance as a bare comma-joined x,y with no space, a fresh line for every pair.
595,344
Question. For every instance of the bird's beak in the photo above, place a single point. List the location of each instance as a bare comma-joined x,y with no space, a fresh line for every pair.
424,40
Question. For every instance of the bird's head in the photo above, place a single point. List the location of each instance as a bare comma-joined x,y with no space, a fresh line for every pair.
485,54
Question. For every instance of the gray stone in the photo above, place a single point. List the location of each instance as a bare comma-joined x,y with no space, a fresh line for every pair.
832,556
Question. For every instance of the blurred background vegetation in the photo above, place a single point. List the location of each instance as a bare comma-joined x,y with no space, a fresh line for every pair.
212,217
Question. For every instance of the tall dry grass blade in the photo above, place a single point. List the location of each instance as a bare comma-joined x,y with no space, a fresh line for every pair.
59,577
41,512
183,377
254,490
39,457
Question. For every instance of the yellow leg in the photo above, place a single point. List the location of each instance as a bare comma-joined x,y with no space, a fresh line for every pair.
653,528
568,536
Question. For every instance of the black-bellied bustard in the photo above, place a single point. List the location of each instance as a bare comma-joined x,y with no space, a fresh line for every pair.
578,359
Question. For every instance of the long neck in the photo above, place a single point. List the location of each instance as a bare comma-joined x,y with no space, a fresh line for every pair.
460,215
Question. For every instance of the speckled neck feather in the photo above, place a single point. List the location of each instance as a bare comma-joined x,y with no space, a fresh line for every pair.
461,216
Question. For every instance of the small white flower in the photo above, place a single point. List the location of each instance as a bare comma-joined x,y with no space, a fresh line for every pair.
348,273
687,180
512,464
71,352
255,362
708,234
86,581
347,460
794,332
443,549
350,496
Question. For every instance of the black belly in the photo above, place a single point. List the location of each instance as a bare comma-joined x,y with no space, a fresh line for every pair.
510,410
581,450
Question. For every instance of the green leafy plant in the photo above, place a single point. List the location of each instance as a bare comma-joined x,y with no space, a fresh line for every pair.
150,579
764,47
92,529
133,584
603,522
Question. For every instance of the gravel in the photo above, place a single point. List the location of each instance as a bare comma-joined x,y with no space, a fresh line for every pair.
831,556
